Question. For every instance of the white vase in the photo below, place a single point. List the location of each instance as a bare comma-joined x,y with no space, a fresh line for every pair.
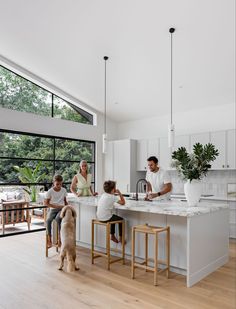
193,191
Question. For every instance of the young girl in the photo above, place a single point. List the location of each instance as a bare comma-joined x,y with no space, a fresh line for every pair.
106,207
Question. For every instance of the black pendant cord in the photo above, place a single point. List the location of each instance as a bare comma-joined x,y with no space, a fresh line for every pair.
105,96
171,30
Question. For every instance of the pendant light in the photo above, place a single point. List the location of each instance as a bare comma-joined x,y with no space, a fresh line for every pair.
171,127
104,136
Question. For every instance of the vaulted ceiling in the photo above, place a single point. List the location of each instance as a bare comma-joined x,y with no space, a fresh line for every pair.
64,41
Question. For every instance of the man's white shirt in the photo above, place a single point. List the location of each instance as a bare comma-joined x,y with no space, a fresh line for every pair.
158,180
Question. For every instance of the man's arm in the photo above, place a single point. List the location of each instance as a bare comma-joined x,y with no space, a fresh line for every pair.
166,188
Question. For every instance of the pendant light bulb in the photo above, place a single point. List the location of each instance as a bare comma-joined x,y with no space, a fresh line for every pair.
171,135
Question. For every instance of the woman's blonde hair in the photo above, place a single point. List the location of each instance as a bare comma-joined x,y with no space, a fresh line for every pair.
80,165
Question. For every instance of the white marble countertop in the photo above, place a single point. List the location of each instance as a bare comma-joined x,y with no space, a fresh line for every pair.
172,207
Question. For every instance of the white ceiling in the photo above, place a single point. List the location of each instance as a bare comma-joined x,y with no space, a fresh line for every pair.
64,41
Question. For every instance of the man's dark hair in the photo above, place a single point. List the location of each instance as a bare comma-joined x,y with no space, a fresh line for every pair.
58,178
153,158
109,185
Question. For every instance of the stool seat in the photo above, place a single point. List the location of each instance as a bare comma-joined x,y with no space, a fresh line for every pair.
150,229
95,253
153,230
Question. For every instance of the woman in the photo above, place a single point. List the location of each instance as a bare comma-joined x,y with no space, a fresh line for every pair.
81,182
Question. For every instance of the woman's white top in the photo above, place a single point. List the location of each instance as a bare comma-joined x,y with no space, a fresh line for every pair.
106,206
158,180
83,185
56,197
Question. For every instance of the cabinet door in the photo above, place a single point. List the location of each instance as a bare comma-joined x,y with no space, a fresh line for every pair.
182,141
231,149
219,140
202,138
121,157
165,154
142,154
153,148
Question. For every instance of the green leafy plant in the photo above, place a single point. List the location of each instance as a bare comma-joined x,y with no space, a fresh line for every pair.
30,175
194,165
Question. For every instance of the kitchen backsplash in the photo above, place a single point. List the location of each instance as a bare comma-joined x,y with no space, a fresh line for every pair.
215,183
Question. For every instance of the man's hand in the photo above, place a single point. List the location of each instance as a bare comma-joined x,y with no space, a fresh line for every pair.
152,195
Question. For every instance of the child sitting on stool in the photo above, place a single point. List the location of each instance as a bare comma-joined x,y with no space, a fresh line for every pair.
56,200
106,207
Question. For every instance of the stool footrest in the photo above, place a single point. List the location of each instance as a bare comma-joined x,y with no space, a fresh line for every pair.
138,265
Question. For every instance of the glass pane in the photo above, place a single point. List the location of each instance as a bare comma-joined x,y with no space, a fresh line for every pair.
20,94
25,146
8,172
74,150
63,110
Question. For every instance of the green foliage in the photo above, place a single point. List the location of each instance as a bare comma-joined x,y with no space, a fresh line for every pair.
194,165
28,175
36,148
20,94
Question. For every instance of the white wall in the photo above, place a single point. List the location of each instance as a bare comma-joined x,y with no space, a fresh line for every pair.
200,120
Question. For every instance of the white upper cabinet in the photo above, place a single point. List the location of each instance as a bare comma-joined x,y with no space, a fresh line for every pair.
165,154
219,140
202,138
142,155
225,143
153,148
231,152
182,141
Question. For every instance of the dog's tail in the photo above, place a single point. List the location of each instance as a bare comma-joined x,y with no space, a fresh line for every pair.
70,263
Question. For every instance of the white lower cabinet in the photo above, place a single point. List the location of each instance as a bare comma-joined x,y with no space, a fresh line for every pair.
232,219
232,215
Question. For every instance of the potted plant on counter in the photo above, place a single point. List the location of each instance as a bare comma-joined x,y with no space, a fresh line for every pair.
192,167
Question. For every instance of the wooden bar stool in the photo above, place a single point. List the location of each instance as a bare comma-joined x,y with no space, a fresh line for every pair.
55,237
146,230
95,253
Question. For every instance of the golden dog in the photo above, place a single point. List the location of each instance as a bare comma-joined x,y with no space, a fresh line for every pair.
68,248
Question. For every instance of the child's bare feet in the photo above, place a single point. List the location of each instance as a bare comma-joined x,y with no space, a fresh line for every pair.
113,238
49,242
120,240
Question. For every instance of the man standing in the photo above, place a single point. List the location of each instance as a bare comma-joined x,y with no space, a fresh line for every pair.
159,184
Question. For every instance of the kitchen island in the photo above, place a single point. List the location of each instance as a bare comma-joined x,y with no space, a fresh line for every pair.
199,235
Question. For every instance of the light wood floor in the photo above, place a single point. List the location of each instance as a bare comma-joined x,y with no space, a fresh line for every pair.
29,280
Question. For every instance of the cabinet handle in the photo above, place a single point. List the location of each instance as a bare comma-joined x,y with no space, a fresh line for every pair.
223,166
145,167
227,165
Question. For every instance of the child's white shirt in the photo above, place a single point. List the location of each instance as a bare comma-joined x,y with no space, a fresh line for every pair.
56,197
106,206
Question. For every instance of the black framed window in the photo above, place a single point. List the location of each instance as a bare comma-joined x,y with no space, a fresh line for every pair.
50,155
20,94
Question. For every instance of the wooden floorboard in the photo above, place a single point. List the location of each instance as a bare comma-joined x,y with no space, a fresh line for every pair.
30,280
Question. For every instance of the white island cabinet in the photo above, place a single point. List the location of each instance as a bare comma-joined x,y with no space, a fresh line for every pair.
199,235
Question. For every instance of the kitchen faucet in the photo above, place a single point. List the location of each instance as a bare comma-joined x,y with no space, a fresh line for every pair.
140,180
